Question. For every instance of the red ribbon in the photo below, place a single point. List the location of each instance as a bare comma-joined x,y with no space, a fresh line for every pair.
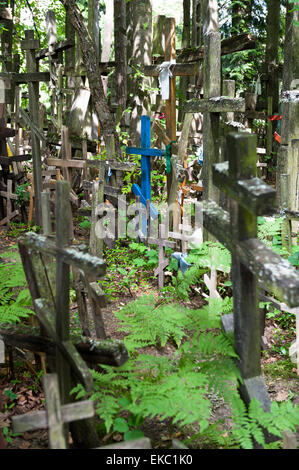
275,118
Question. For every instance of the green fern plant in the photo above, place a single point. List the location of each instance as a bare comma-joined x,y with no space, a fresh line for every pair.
14,296
148,323
153,386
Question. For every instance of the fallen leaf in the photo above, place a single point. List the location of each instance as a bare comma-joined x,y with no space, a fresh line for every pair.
107,437
282,395
25,445
22,400
117,437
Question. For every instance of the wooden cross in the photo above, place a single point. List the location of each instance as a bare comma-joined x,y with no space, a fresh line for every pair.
177,70
55,415
213,103
251,259
8,195
52,308
211,283
182,236
146,153
32,78
66,162
163,262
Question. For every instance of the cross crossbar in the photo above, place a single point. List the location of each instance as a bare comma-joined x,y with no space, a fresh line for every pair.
91,265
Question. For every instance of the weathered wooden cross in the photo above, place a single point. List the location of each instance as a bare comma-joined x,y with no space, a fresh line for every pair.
177,70
55,415
252,261
162,242
8,195
66,162
213,103
32,78
52,308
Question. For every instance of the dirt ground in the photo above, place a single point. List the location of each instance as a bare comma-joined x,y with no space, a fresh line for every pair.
282,383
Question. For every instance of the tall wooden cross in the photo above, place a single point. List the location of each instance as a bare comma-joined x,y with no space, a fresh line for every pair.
213,103
52,307
177,70
251,259
33,77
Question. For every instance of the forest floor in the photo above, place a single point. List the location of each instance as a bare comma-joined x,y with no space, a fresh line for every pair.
278,371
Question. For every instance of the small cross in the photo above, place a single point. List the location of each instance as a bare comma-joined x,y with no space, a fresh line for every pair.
8,195
55,415
66,162
163,262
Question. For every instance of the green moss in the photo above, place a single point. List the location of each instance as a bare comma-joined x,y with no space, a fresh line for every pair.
283,369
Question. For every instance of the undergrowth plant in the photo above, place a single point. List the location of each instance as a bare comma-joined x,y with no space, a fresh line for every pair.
180,388
14,296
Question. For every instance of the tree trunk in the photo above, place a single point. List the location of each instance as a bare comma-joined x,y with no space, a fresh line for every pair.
89,54
120,41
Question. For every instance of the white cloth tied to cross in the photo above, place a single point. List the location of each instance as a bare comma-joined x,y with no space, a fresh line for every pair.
164,76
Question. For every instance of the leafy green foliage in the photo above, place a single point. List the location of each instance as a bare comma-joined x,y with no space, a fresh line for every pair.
180,387
14,297
148,322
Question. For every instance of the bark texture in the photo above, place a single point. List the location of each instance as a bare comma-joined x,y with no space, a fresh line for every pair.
89,55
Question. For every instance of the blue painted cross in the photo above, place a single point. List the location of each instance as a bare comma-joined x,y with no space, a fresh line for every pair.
146,153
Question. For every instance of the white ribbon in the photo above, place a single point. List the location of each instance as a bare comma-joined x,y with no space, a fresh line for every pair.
164,76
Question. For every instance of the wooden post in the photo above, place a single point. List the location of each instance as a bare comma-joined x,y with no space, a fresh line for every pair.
51,30
62,216
212,87
170,54
46,213
55,423
228,89
269,140
162,242
287,158
30,45
96,243
244,226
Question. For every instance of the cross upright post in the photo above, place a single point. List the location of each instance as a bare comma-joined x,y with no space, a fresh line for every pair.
30,45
